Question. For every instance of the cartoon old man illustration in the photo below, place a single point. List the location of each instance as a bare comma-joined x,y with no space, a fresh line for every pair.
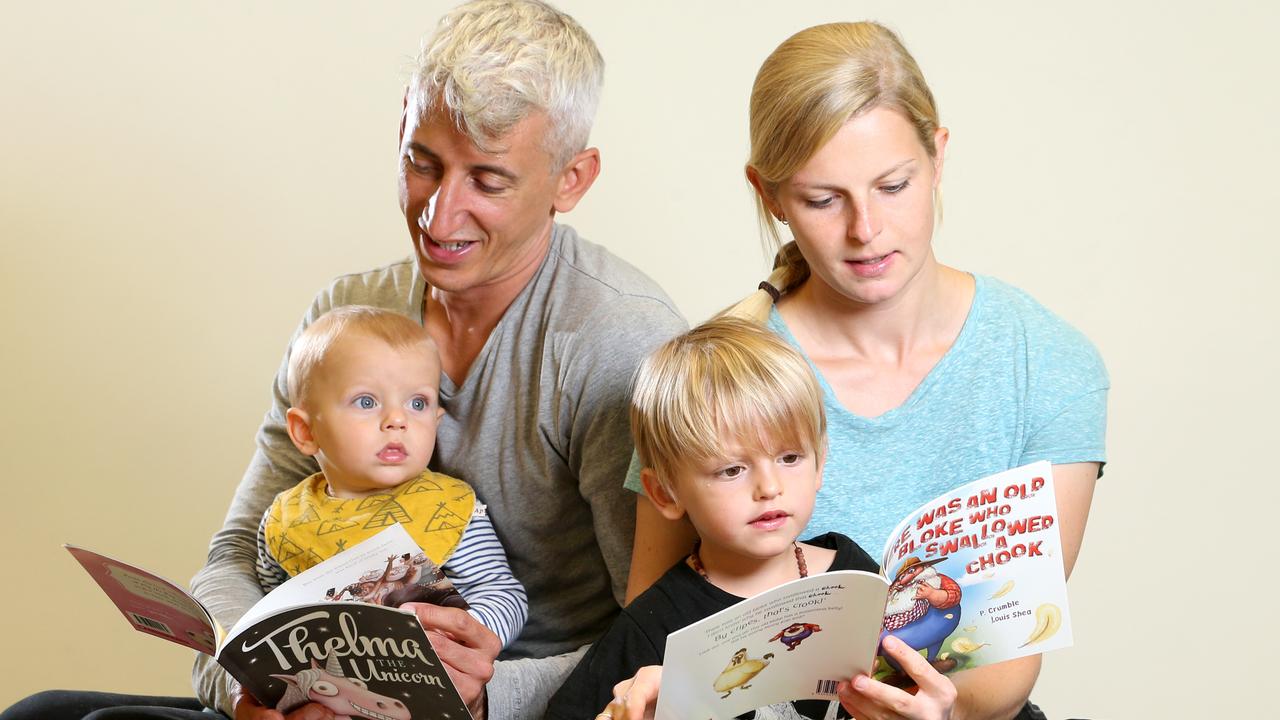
795,633
923,608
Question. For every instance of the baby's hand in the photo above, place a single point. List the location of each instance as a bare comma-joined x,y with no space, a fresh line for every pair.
636,698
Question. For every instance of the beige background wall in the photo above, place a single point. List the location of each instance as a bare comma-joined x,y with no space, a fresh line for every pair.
177,179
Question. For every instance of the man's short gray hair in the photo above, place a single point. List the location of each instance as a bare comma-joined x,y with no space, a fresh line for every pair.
490,63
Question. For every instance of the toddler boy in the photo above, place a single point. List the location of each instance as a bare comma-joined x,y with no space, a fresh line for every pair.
730,430
364,383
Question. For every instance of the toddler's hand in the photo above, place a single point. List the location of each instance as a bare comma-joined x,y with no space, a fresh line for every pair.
636,698
868,699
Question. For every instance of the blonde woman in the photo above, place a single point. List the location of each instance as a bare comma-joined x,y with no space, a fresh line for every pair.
931,376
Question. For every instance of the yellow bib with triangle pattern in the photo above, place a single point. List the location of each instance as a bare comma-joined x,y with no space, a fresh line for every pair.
306,526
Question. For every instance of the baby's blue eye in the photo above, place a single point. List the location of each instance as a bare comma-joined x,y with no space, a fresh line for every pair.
365,402
418,404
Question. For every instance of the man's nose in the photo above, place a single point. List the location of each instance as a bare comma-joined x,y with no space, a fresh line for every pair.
442,216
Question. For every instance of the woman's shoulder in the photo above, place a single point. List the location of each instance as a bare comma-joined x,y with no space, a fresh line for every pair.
1012,314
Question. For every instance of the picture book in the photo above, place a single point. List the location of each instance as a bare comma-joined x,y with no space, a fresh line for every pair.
331,634
971,578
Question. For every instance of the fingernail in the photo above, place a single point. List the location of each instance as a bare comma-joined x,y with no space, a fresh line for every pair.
860,683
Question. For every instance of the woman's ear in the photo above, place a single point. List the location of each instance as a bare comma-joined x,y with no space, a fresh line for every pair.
666,503
940,138
299,427
771,202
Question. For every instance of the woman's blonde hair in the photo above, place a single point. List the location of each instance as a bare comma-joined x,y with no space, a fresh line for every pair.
807,89
727,375
308,352
490,63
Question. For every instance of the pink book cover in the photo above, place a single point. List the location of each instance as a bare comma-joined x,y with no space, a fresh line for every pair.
150,603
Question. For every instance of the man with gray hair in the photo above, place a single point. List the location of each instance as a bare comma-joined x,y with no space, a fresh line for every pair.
538,330
538,333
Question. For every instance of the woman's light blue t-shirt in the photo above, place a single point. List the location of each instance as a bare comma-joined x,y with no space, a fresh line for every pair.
1018,385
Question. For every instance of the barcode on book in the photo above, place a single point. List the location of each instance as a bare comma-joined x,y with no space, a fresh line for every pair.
826,687
150,624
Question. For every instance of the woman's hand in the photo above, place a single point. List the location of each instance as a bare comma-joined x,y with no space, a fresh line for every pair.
635,698
248,708
466,648
868,699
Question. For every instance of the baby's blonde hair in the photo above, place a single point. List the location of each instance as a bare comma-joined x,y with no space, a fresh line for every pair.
308,352
726,376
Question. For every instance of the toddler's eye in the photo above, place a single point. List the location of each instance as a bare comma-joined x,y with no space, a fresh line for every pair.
366,402
418,404
731,472
790,459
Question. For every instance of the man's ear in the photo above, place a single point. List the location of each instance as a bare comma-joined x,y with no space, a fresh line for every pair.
404,116
576,179
666,503
299,426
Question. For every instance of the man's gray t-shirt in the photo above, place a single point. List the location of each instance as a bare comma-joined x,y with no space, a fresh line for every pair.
539,427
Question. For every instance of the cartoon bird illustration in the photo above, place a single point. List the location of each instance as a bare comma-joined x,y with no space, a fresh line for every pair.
739,672
795,633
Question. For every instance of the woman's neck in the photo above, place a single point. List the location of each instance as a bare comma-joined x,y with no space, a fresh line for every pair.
927,313
875,355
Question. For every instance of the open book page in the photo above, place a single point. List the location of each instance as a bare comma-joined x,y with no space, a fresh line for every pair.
331,635
978,574
974,577
365,572
150,603
795,641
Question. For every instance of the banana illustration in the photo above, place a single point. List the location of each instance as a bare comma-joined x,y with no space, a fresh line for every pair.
739,672
966,646
1048,620
1004,590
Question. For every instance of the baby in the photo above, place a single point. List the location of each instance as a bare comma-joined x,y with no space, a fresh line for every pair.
364,383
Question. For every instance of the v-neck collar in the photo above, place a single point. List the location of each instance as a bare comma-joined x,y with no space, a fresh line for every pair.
448,388
890,417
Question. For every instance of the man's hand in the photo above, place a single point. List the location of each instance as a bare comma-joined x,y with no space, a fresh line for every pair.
466,648
248,708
